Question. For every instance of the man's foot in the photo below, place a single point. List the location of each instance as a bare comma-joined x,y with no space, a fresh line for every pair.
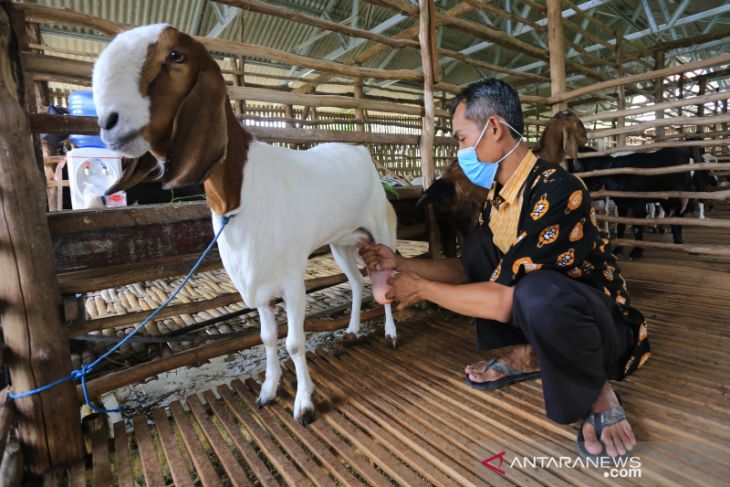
618,438
520,357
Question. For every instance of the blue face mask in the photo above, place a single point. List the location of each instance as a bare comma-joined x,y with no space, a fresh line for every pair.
479,172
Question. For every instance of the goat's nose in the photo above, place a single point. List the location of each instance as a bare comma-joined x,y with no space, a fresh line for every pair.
110,121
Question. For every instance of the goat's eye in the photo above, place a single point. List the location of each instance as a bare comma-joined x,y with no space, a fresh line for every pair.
175,57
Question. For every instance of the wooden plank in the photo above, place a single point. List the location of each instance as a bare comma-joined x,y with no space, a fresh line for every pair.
262,473
445,462
98,432
348,453
123,463
321,451
175,458
295,451
663,195
263,439
686,248
229,463
689,222
205,470
639,171
118,275
378,449
147,452
77,474
50,430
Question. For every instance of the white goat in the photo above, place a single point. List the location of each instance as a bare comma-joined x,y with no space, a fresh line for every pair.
159,90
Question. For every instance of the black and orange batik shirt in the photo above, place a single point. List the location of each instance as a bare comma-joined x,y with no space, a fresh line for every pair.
557,230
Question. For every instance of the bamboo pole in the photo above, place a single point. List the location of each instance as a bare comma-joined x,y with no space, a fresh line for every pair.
659,92
30,313
723,95
689,222
663,195
621,98
686,248
114,380
429,62
654,171
656,145
663,122
659,73
556,42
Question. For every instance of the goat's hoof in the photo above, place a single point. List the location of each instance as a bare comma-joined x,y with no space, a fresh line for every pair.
392,341
636,254
349,339
262,402
306,416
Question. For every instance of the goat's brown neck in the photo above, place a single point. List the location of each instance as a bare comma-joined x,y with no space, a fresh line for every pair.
223,185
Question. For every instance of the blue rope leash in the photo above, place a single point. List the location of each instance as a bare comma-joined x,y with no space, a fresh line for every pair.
80,374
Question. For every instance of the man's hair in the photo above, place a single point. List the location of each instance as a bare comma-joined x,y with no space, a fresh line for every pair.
491,97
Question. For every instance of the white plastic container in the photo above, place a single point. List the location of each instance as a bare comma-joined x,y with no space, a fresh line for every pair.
91,171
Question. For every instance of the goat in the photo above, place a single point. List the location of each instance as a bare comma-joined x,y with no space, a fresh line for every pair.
159,90
457,202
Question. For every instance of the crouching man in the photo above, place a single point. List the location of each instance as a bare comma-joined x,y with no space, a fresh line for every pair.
541,282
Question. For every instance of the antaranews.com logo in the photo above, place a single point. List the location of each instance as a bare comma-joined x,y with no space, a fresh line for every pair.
615,468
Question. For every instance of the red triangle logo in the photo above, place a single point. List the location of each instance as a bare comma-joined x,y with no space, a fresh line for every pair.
487,463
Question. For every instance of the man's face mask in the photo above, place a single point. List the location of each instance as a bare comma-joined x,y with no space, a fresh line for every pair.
479,172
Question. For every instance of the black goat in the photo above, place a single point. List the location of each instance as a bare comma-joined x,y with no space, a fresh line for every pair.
632,183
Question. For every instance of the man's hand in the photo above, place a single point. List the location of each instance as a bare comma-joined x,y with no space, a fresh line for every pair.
378,257
407,289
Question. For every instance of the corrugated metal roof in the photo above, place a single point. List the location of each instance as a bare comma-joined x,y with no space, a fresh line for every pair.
200,16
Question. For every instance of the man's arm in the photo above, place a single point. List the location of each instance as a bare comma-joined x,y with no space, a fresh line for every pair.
449,271
487,300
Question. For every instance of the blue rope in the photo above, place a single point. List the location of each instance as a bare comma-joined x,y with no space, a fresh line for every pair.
80,374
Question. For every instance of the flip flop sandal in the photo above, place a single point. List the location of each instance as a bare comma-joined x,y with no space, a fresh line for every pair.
599,422
511,375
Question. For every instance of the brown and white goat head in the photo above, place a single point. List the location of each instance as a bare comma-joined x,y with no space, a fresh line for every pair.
158,90
561,138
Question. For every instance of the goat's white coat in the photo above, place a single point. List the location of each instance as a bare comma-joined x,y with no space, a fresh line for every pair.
292,202
116,87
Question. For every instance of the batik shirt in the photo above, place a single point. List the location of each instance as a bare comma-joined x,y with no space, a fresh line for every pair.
557,230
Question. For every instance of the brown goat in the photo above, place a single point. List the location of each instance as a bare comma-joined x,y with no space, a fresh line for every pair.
457,201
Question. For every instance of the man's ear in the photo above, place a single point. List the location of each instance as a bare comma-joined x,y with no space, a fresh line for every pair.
141,170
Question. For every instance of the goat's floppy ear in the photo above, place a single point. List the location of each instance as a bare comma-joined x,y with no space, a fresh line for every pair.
199,133
135,171
570,144
440,190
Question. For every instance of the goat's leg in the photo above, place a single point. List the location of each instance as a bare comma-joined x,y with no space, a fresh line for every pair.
273,367
294,296
620,228
346,258
390,334
639,211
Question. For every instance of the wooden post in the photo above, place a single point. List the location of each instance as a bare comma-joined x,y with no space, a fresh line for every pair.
360,115
49,426
701,106
659,92
680,85
426,37
621,100
556,43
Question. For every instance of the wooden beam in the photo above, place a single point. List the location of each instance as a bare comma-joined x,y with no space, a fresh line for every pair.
49,425
654,171
320,22
659,123
556,42
724,95
659,90
689,249
114,380
704,63
664,195
636,54
656,145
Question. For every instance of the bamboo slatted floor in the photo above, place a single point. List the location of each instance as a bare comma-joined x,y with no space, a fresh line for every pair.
405,417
